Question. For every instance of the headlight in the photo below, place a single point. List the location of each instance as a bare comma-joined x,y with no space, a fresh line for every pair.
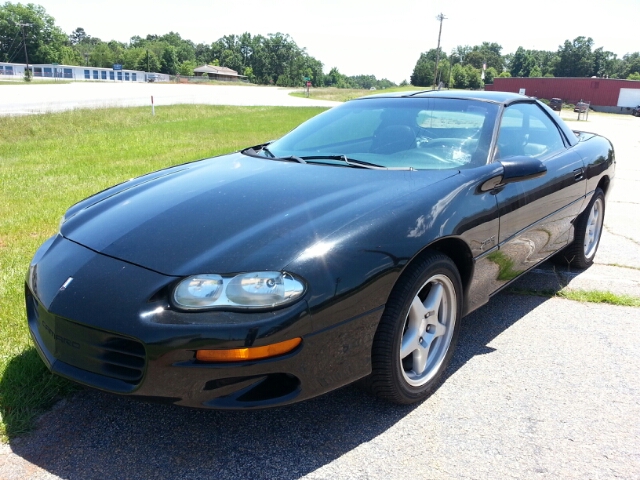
246,290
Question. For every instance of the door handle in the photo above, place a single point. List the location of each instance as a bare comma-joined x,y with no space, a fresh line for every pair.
578,174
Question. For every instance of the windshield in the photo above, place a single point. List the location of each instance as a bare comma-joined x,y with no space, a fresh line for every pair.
418,133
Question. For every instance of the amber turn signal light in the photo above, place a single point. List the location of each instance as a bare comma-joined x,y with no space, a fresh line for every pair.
249,353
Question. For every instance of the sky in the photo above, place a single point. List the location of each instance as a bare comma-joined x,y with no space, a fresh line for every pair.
363,37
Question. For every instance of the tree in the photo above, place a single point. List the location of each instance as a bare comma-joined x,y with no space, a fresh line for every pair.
603,63
169,62
545,60
203,54
44,40
475,58
493,55
459,76
459,53
529,66
146,61
248,72
575,59
444,72
186,68
517,62
630,64
102,56
424,70
77,36
490,74
232,59
473,75
335,79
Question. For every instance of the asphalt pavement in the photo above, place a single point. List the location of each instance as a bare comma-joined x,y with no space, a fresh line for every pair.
538,388
30,99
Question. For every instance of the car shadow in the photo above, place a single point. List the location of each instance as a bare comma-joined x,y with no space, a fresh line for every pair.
94,434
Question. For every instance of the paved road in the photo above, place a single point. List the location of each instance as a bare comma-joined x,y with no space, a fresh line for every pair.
29,99
539,388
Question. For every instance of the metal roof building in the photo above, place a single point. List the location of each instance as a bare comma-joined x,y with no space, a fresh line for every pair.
604,94
71,72
218,73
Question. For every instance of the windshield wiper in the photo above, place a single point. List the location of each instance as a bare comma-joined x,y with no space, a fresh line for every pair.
267,151
251,152
352,162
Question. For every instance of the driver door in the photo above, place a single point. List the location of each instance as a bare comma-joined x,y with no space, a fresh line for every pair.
536,215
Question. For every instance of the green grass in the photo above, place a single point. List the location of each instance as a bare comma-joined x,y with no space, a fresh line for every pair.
589,296
346,94
597,296
48,162
20,81
332,93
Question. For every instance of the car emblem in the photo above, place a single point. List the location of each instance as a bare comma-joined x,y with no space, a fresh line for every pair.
66,284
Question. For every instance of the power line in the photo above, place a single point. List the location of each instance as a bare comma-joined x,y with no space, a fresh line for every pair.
440,17
11,46
15,54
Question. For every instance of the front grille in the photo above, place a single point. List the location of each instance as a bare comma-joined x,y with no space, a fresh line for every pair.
103,353
112,355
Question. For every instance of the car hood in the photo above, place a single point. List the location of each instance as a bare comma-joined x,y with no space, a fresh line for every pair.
232,213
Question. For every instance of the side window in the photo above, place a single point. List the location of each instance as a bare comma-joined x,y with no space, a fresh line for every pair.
525,129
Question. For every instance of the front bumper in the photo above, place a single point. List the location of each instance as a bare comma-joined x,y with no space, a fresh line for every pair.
111,327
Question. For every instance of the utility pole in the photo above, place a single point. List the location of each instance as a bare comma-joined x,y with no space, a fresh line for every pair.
24,42
440,17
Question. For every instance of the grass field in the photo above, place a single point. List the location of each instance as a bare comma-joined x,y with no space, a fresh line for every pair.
48,162
345,94
20,81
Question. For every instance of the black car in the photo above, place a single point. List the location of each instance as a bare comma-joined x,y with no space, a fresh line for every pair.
555,104
349,249
636,111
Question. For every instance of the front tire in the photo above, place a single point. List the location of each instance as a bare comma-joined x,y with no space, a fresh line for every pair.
588,230
418,331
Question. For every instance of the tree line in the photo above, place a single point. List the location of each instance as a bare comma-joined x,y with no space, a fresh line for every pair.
276,59
273,59
463,67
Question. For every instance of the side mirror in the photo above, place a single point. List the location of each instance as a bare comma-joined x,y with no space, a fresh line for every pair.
515,169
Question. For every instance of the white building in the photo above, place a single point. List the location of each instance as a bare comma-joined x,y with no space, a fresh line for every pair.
71,72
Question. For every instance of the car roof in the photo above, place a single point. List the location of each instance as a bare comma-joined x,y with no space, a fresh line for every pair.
493,97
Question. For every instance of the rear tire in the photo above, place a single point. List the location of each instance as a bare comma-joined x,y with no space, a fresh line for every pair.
588,230
418,331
